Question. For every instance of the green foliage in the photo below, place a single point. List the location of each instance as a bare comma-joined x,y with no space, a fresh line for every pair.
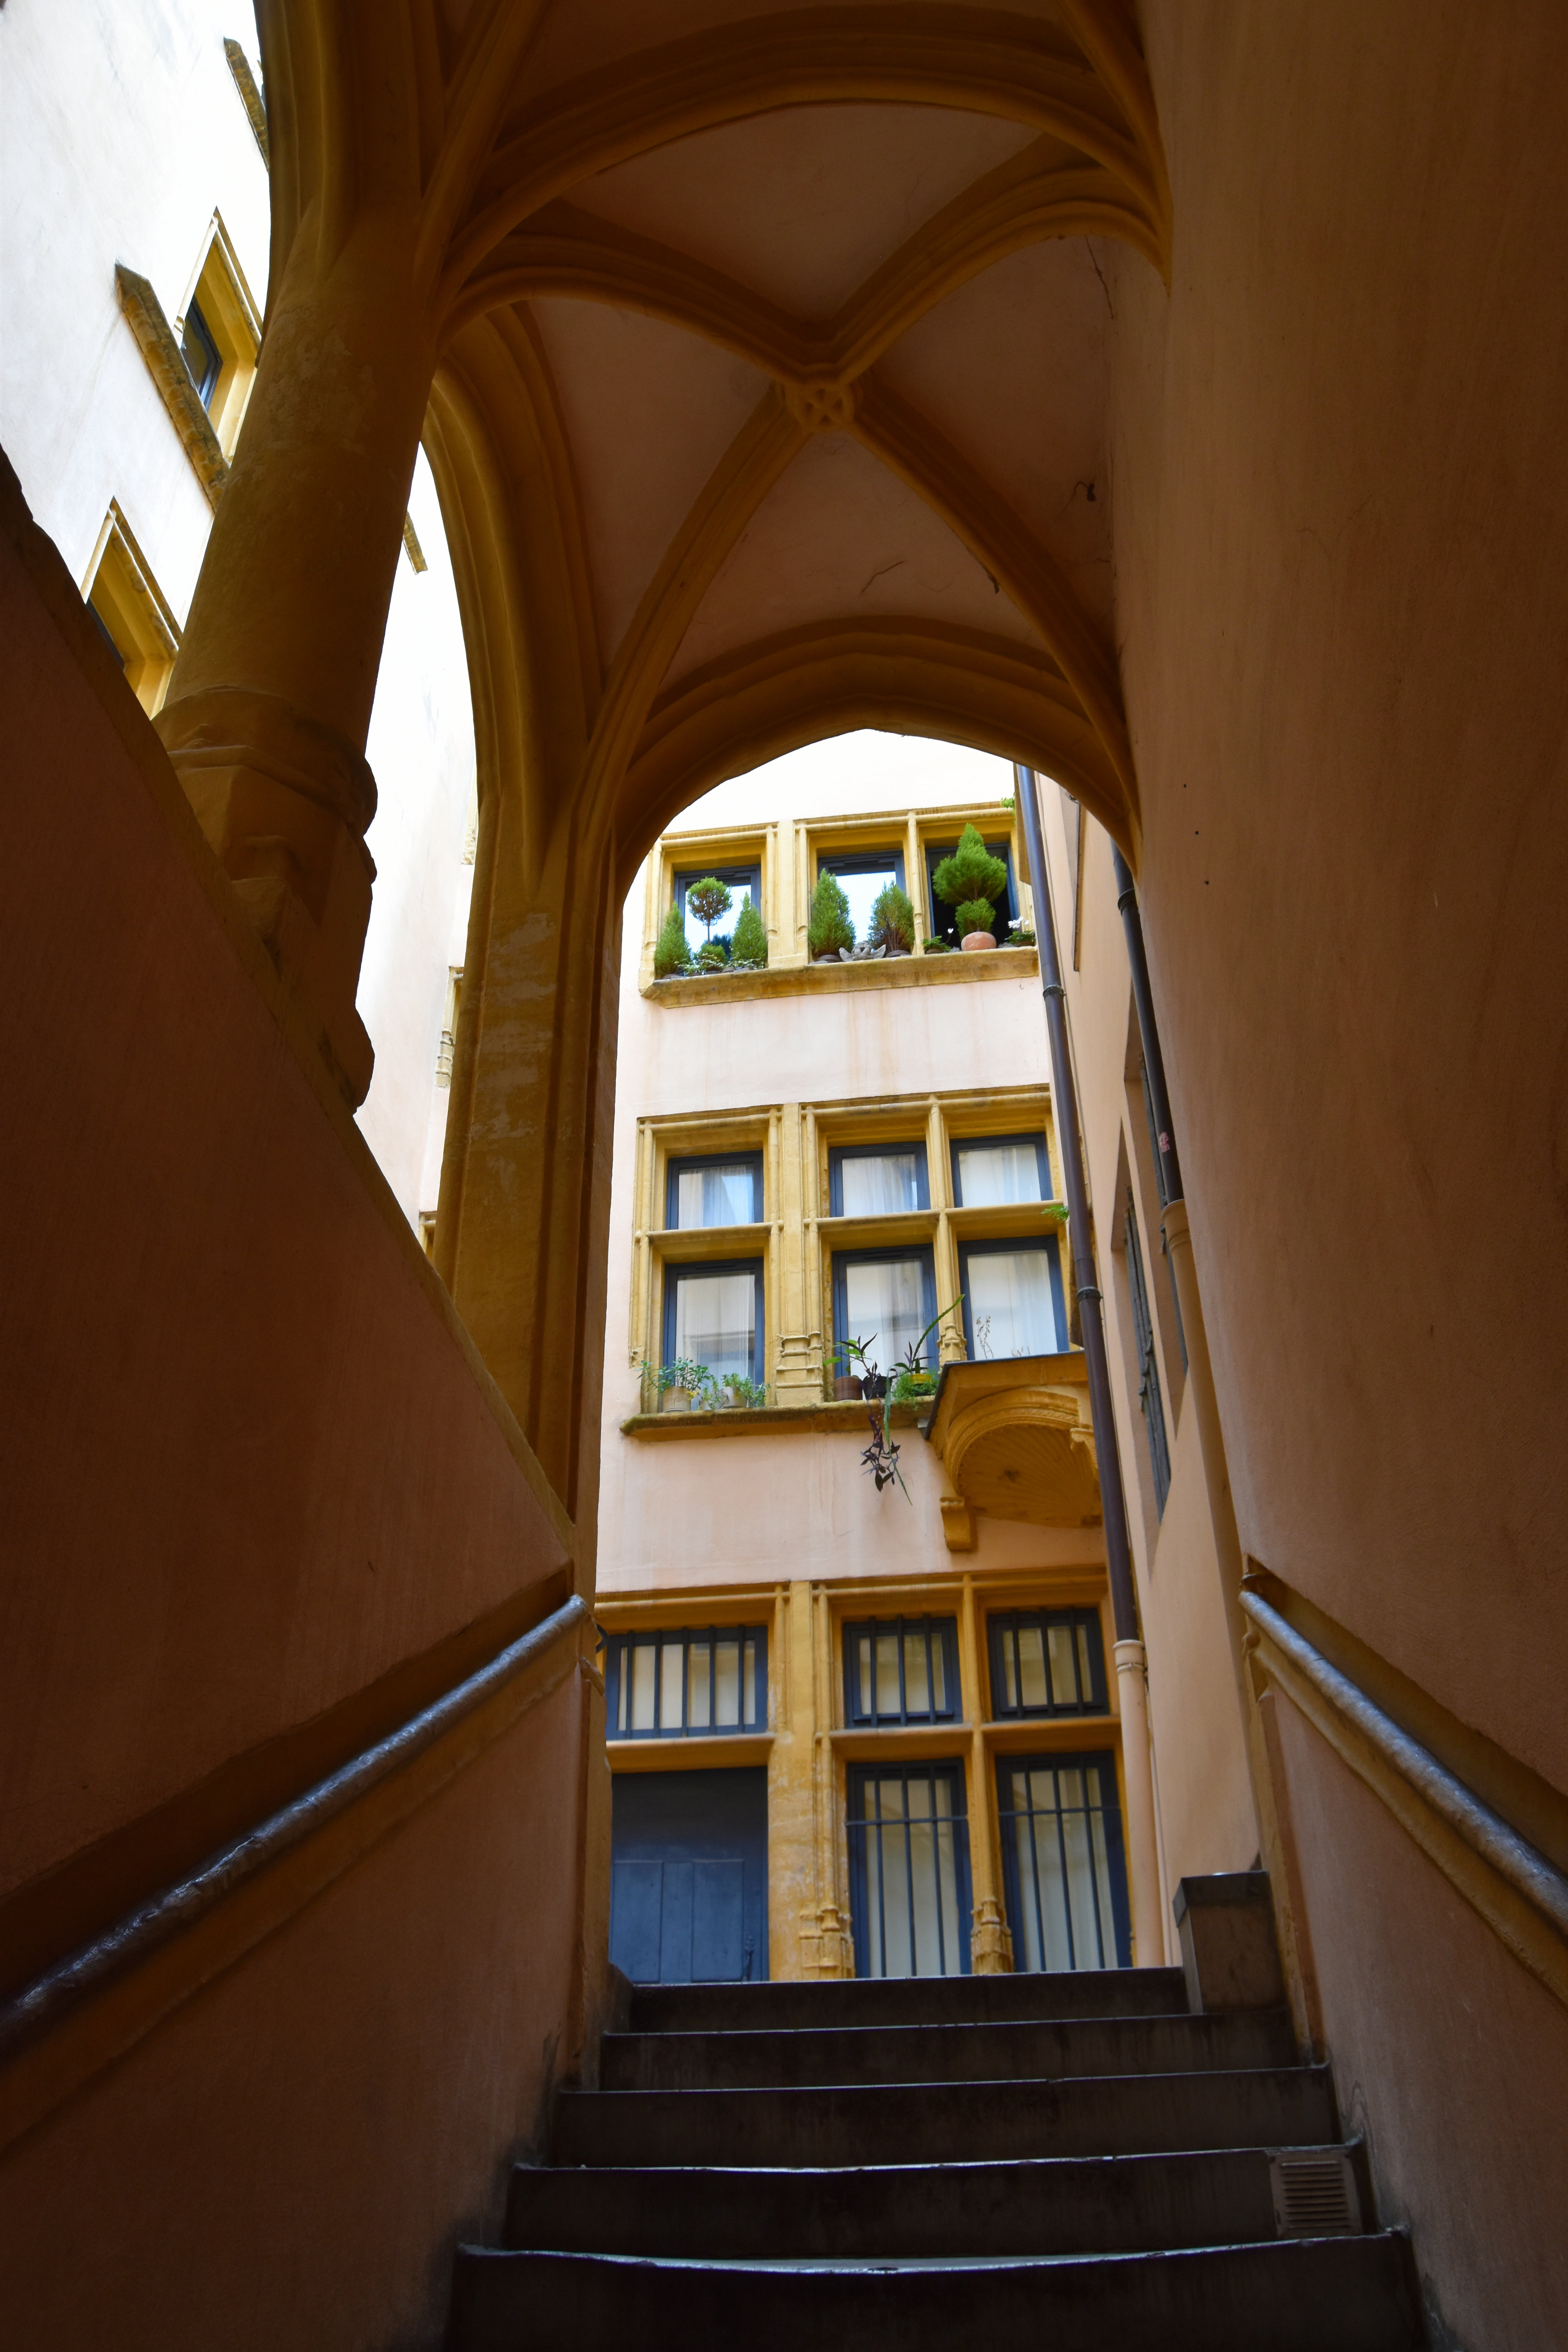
707,899
970,875
828,925
712,956
749,943
974,915
683,1373
670,953
937,947
892,918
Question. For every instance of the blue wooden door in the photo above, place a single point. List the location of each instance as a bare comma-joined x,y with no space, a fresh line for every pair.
689,1876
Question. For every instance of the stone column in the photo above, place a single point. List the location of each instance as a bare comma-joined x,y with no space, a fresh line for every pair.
269,703
1138,1772
990,1942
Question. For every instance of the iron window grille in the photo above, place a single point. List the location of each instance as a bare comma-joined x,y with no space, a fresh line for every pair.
1046,1662
970,1147
697,1683
980,1334
748,878
944,918
734,1180
1064,1871
1151,1403
885,1337
910,1179
901,1670
679,1343
909,1870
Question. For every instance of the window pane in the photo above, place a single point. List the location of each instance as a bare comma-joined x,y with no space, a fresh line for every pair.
1032,1691
699,1697
886,1673
917,1680
991,1175
881,1186
697,930
1084,1675
867,1694
671,1695
727,1682
939,1671
885,1303
862,890
1064,1683
1010,1668
715,1196
716,1321
749,1686
642,1663
1011,1289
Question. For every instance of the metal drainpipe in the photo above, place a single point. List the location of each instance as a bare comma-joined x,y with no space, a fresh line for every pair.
1131,1663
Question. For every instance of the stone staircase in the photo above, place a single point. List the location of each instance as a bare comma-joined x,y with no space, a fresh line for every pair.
1074,2161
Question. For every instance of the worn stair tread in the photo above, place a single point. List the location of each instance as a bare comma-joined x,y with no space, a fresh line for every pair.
1355,2295
1112,2115
909,2000
1000,2051
976,2210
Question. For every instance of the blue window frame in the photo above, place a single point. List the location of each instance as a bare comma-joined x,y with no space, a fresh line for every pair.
944,918
901,1670
690,1683
1063,1869
718,1188
198,349
1046,1662
909,1870
885,1297
1014,1304
863,875
748,878
992,1172
713,1316
876,1180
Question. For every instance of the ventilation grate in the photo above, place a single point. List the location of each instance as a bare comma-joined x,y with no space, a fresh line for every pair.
1314,2193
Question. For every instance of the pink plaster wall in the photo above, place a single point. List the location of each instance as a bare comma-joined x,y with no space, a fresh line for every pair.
1342,566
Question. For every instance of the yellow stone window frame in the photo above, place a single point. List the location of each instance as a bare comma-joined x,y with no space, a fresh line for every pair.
119,586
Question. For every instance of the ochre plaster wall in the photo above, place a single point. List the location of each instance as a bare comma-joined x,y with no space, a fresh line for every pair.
252,1466
1343,551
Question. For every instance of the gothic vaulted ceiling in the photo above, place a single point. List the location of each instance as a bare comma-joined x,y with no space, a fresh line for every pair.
771,390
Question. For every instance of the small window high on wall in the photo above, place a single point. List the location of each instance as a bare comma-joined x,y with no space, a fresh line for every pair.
713,1316
743,882
863,875
876,1180
1046,1662
687,1684
721,1187
992,1172
1012,1300
886,1298
901,1670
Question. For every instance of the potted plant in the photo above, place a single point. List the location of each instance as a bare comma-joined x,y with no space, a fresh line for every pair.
972,883
670,953
848,1386
712,956
749,940
828,930
893,920
679,1382
707,899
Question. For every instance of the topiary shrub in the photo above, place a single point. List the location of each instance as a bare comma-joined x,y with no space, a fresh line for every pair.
711,956
670,953
892,919
749,941
974,915
968,877
828,925
707,899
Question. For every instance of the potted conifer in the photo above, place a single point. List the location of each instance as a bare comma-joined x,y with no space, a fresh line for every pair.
893,920
707,899
973,884
828,931
749,939
672,955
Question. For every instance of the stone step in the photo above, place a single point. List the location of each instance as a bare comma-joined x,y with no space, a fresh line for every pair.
1115,2115
1353,2294
1062,2205
907,2000
1014,2052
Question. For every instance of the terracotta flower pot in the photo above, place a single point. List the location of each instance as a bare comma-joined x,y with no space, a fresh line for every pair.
979,940
846,1387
